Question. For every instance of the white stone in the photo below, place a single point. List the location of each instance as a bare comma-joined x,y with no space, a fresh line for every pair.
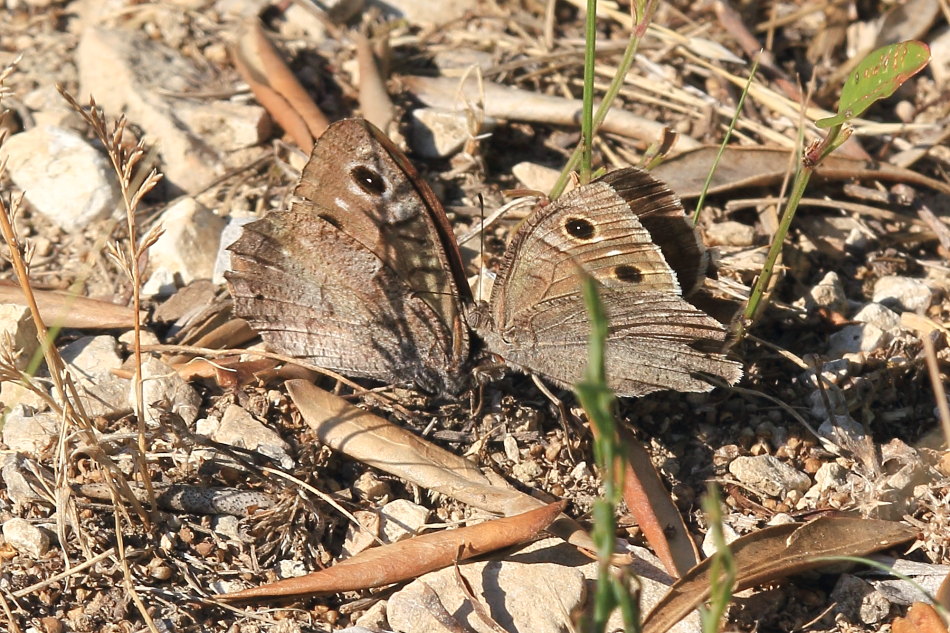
730,233
65,178
401,519
768,476
239,428
189,245
536,597
827,293
858,337
229,234
31,434
881,316
535,177
903,293
128,72
437,133
165,391
17,324
91,361
25,537
830,477
13,394
709,544
433,12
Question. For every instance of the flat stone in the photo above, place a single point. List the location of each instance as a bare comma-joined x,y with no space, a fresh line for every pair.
164,391
401,519
27,538
858,337
189,245
827,293
535,177
63,177
29,433
730,233
17,323
859,602
438,133
240,428
879,315
768,476
126,71
18,479
229,234
903,293
13,394
537,597
91,361
535,589
433,12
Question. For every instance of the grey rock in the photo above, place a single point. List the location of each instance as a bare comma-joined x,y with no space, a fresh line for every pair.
879,315
858,337
830,477
401,519
730,233
903,293
437,133
27,538
13,394
768,476
65,178
827,293
188,247
17,324
535,177
91,361
433,12
231,232
131,73
165,391
239,428
19,482
536,597
28,433
858,601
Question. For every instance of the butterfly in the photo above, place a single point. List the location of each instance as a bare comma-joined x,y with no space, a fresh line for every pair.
363,275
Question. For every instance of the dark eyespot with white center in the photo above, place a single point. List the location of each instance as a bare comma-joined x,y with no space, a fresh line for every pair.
368,180
579,229
628,273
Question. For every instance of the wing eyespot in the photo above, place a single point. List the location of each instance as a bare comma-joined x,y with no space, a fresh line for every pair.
580,229
369,180
628,273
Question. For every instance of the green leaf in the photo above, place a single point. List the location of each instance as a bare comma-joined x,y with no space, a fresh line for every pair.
878,76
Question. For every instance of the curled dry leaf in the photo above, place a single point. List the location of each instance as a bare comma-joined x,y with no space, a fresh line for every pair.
379,443
656,514
71,311
502,102
411,558
921,618
776,552
275,86
742,167
375,104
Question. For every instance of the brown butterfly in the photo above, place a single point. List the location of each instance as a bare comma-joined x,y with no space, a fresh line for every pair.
363,275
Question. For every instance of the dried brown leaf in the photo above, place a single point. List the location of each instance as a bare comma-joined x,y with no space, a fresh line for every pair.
411,558
71,311
742,167
921,618
372,440
776,552
276,87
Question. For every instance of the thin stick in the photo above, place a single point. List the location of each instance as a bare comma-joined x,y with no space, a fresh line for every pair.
22,593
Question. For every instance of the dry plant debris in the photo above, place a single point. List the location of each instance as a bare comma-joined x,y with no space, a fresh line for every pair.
114,521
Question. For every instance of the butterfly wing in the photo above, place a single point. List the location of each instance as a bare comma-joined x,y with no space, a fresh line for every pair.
362,274
314,292
618,230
